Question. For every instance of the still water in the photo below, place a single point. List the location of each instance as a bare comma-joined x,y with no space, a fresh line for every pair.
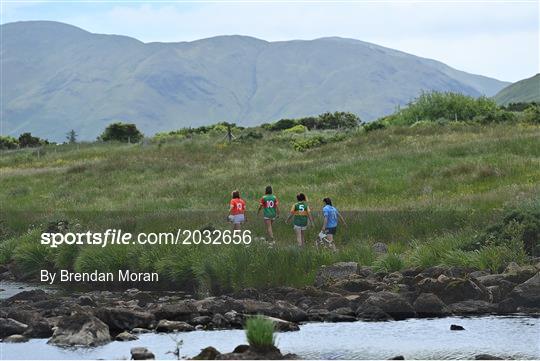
515,337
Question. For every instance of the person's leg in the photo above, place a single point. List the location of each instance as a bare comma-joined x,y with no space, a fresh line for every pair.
302,237
269,228
299,236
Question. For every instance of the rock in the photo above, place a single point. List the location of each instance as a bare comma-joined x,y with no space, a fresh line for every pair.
141,353
282,325
393,278
121,319
347,311
484,356
518,274
397,358
501,291
379,248
333,303
139,330
472,307
32,295
278,309
86,301
337,317
247,293
39,329
456,328
9,326
270,353
15,339
180,311
356,284
429,305
368,312
143,298
528,293
477,274
173,326
241,349
220,321
337,271
80,329
393,304
209,353
459,289
201,320
506,306
125,336
234,318
491,280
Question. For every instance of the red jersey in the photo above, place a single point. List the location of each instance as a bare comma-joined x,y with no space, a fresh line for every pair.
238,206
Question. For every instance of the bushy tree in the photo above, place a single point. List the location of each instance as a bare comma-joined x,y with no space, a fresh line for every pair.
122,132
8,142
337,120
27,140
71,136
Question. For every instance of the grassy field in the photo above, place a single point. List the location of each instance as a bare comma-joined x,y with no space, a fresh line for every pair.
427,191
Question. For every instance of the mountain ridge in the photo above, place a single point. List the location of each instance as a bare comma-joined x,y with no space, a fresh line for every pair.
60,77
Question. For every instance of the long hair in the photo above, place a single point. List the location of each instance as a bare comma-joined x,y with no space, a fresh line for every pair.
235,193
327,201
300,197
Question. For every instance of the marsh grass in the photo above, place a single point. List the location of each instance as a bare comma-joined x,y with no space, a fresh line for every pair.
426,191
260,333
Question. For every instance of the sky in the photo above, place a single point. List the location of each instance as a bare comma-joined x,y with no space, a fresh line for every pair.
495,38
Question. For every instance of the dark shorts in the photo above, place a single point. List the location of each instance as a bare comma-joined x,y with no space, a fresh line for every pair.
332,230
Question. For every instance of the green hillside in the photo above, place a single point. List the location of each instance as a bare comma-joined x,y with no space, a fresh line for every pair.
523,91
429,191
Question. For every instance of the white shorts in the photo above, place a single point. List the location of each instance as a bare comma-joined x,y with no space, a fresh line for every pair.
300,228
237,218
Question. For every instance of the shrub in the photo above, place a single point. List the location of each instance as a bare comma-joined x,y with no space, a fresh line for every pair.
532,114
250,135
390,262
337,120
27,140
373,126
282,124
122,132
304,144
260,333
297,129
8,142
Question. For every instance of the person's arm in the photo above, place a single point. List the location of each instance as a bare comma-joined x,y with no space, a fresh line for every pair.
325,222
259,209
290,215
310,217
342,219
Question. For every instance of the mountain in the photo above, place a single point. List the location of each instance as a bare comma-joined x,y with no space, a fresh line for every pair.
57,77
526,90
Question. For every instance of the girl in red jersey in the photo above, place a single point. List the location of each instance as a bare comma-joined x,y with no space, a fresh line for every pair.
237,210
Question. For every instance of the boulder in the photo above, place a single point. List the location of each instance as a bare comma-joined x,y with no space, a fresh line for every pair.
457,328
356,284
180,311
338,317
86,301
141,353
209,353
9,326
220,321
459,289
429,305
379,248
122,319
282,325
491,280
393,278
519,274
335,302
125,336
528,293
15,339
201,320
173,326
32,296
392,303
139,330
369,312
333,273
472,307
80,329
485,356
39,328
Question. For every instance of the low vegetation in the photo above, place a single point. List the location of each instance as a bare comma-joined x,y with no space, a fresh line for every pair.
260,333
436,191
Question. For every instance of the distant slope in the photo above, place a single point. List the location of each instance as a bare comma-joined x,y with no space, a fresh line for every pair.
526,90
58,77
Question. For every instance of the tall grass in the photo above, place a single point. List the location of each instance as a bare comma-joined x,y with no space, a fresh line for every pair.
260,333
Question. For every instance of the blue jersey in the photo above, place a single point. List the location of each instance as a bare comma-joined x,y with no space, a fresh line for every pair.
331,215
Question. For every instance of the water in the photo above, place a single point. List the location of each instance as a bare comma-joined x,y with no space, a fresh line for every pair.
515,337
11,288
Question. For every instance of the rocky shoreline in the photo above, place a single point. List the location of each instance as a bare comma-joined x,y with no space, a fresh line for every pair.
343,292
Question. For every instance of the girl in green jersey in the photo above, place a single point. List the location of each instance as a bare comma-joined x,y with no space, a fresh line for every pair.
301,215
269,205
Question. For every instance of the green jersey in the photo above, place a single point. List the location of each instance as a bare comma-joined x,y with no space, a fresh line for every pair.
300,212
269,203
